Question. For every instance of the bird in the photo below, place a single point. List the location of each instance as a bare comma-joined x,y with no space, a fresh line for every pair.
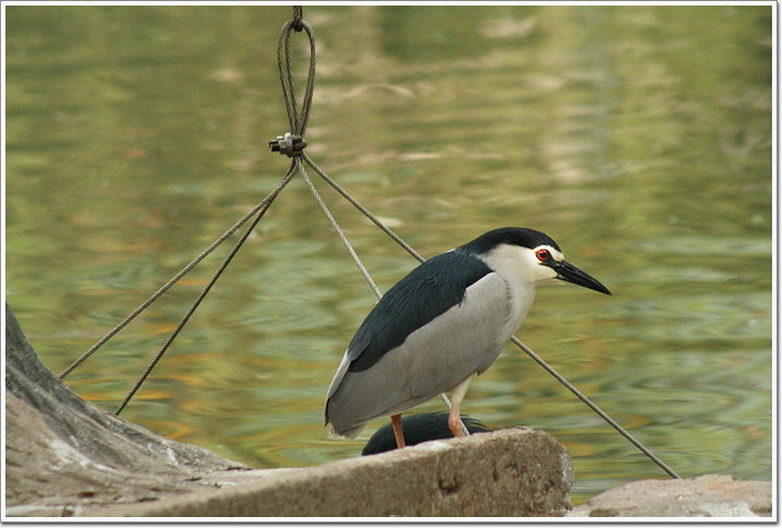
444,322
419,428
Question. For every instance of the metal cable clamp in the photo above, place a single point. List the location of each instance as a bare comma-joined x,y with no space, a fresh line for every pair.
290,144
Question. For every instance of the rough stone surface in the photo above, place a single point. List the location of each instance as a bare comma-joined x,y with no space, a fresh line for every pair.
66,457
704,496
514,472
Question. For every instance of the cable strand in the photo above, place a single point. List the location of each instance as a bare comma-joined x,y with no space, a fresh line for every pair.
181,273
205,291
374,219
581,396
341,234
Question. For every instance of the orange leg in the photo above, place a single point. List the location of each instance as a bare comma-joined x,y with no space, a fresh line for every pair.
454,417
396,423
455,421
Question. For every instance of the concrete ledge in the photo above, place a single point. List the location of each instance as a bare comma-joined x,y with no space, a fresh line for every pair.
515,472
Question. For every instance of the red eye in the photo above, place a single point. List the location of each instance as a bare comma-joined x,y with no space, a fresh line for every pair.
544,255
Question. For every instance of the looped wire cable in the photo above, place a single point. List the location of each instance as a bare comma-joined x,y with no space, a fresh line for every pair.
297,120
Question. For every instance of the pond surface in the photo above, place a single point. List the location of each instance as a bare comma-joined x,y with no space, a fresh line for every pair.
637,137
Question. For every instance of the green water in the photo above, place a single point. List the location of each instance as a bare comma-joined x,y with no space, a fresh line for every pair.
638,137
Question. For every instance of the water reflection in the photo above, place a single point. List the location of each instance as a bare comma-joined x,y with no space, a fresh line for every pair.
638,137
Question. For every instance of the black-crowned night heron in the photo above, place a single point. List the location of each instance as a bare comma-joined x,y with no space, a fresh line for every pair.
419,428
445,321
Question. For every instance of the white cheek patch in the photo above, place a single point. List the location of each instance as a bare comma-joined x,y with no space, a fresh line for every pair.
517,263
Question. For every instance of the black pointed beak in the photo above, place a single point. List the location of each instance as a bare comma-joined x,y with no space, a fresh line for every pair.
569,273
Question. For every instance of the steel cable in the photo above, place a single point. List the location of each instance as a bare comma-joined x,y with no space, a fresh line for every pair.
173,280
239,243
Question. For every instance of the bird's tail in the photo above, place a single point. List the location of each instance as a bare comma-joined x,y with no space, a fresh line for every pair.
349,433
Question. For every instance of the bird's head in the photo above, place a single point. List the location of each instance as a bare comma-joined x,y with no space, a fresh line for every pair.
529,253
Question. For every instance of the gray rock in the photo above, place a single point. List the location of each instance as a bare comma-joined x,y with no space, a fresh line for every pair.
704,496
